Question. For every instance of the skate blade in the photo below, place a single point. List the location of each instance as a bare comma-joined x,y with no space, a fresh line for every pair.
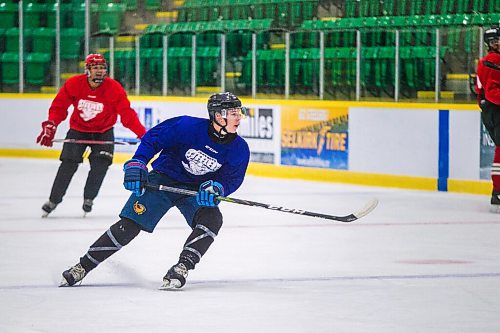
44,215
495,209
173,284
64,283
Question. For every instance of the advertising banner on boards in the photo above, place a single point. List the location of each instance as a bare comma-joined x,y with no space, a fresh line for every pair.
315,137
260,129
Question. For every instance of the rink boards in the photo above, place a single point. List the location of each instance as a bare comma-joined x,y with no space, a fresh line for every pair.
407,145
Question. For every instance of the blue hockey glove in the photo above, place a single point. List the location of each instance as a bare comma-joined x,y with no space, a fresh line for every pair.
207,195
136,176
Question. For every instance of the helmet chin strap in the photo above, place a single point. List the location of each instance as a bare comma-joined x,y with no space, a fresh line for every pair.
222,132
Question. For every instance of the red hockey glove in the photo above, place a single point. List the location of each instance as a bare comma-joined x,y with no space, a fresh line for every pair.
48,132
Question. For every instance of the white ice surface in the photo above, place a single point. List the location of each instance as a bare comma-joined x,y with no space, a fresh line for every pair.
421,262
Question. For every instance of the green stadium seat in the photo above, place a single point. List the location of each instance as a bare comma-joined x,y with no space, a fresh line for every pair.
369,57
131,4
213,13
364,8
241,10
8,15
402,7
10,67
385,70
296,12
427,36
478,6
282,14
409,74
270,10
179,67
37,68
43,40
257,10
110,17
478,19
462,6
33,13
71,42
182,14
447,6
77,15
207,65
345,65
12,39
309,8
304,68
65,15
125,67
2,40
351,8
388,8
416,7
151,68
376,8
493,18
152,36
153,4
431,7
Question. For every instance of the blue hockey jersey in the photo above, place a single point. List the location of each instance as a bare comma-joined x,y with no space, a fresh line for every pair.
187,153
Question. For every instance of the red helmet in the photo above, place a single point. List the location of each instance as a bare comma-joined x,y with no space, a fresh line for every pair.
94,59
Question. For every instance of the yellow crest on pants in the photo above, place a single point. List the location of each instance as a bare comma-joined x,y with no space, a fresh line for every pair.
138,208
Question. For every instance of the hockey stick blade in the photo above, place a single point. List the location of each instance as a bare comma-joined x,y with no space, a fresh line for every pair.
347,218
97,142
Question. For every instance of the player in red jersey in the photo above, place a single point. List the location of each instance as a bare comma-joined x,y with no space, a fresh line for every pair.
488,92
97,101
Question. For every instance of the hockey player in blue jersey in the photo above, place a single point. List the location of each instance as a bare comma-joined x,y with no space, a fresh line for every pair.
205,155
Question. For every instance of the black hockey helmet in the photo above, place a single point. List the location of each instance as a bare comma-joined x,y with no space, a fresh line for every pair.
221,102
491,35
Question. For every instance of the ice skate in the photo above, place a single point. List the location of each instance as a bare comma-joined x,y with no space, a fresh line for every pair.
175,277
73,275
48,207
87,206
495,203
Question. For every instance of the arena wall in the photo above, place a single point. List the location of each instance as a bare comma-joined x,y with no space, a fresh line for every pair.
407,145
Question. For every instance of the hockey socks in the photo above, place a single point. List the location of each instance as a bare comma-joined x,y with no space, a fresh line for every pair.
117,236
208,223
495,169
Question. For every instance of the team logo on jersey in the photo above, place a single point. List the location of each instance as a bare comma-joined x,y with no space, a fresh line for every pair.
200,163
138,208
89,109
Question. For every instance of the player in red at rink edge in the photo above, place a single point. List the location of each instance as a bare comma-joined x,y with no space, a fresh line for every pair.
488,91
98,101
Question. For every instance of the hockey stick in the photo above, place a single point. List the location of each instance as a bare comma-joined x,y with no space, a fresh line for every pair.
347,218
96,142
491,65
